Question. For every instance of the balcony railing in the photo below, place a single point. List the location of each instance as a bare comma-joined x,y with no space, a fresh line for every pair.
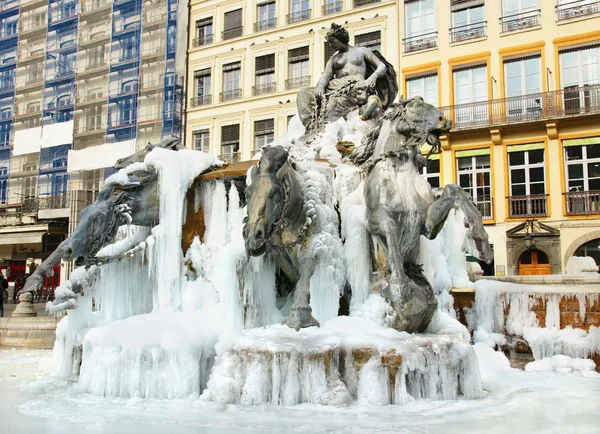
55,201
359,3
265,24
294,17
261,89
232,157
576,9
523,20
234,32
201,100
420,42
230,94
534,205
333,7
571,101
203,40
467,32
582,202
485,206
295,83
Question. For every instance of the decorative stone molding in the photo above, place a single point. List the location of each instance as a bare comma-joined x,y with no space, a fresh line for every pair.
496,136
552,130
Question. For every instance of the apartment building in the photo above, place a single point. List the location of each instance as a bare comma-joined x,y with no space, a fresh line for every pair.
82,83
520,80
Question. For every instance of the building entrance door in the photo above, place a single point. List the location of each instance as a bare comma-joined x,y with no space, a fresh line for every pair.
534,263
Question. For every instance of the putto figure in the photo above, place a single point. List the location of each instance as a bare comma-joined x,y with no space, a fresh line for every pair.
354,77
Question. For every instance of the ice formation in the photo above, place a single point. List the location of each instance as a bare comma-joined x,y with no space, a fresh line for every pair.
155,322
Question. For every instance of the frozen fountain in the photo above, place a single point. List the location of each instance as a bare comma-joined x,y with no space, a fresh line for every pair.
304,276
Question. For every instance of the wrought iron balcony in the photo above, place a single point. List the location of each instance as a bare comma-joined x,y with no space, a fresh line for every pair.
261,89
571,101
203,40
523,20
201,100
534,205
55,201
234,32
485,206
333,7
576,9
359,3
420,42
265,24
294,17
295,83
467,32
582,202
230,94
232,157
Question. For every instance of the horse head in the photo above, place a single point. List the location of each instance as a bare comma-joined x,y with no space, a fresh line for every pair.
272,190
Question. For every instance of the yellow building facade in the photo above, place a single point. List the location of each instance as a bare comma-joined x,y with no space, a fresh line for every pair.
520,80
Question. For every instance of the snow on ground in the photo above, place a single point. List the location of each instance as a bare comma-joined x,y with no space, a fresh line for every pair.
32,401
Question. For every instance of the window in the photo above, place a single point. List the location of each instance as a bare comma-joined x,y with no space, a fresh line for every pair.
265,74
298,72
96,57
129,86
527,180
467,20
371,40
233,24
231,81
230,142
126,113
299,11
60,183
580,77
204,31
29,187
263,133
202,140
519,14
93,118
5,130
583,167
474,176
470,88
328,52
425,86
203,82
266,16
3,168
420,25
523,77
3,190
332,6
91,179
431,172
128,49
66,64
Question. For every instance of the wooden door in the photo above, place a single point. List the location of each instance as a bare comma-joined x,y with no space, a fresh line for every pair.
534,263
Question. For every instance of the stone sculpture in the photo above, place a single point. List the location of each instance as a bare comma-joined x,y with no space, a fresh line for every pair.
354,77
132,202
401,205
279,224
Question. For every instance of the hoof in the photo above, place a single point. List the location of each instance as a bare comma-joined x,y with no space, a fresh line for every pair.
300,318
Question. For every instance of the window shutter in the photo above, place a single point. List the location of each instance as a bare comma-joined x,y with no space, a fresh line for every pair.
230,134
233,19
298,54
328,52
368,39
231,66
265,126
204,22
265,64
202,73
459,5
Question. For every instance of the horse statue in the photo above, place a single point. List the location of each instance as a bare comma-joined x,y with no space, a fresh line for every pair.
281,225
401,206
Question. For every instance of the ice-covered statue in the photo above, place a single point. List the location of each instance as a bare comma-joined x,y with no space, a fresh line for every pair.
354,78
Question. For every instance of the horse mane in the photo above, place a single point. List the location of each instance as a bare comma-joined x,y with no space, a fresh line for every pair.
396,113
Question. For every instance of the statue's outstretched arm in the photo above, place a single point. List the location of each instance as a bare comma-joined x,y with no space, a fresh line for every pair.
377,65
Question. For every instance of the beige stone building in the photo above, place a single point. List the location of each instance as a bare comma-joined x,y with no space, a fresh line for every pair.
520,80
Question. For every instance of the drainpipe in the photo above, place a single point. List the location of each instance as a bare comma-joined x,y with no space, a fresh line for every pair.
187,71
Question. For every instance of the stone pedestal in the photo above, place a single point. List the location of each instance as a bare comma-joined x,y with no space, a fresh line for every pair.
25,307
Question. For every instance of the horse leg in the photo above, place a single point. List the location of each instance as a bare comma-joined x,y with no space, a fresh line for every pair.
438,211
300,312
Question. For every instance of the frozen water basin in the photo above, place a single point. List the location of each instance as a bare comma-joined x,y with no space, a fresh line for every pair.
32,401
